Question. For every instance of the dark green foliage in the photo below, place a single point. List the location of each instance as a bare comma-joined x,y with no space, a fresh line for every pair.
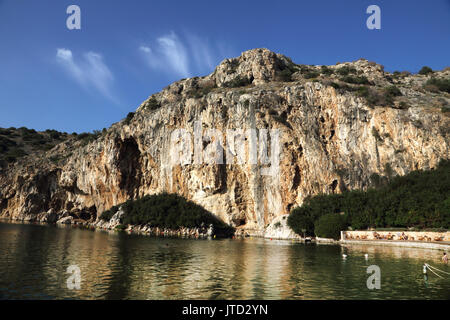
440,84
285,75
87,137
55,159
376,134
374,97
420,199
425,70
107,215
17,143
355,79
238,82
152,104
129,117
6,144
326,71
330,226
14,154
200,92
332,84
393,91
301,222
344,71
168,211
53,134
311,74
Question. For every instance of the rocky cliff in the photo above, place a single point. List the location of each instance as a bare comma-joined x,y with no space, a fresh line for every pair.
339,128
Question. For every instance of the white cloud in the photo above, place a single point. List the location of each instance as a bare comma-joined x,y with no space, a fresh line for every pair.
170,54
145,49
201,52
90,72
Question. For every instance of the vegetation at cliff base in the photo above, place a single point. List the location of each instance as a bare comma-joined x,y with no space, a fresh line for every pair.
330,225
420,200
167,211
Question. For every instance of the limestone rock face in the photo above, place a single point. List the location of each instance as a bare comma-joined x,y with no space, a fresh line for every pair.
329,141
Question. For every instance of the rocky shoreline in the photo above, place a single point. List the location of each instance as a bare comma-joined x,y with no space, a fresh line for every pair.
277,230
207,233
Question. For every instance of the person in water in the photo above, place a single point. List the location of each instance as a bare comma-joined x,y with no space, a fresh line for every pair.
445,258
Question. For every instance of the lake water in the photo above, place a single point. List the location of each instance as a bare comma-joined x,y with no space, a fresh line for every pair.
34,260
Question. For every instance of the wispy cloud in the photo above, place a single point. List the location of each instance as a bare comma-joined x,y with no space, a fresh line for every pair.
169,53
91,71
201,51
173,55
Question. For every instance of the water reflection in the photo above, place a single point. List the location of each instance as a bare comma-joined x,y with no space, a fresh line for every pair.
34,260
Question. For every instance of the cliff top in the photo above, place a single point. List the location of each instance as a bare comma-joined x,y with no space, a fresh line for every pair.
258,67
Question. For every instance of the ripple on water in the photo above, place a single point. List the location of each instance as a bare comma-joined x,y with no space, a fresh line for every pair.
34,260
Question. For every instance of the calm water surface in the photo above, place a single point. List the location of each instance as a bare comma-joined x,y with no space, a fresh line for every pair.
34,260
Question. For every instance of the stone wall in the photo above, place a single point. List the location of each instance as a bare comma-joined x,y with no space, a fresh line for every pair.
408,236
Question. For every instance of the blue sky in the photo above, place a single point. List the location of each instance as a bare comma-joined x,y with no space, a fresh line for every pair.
81,80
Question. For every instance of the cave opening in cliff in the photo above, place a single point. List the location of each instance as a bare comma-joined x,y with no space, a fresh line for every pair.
129,165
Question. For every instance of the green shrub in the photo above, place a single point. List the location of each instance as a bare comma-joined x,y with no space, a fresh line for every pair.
6,144
374,97
238,82
355,79
440,84
344,71
335,85
330,226
376,134
393,91
87,137
301,222
420,199
326,71
129,117
168,211
285,75
311,74
152,104
200,92
108,214
425,70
